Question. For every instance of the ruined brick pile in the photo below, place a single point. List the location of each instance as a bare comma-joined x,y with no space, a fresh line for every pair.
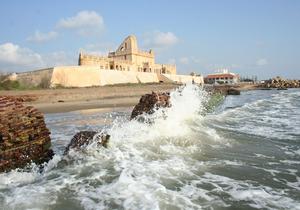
83,138
24,136
149,102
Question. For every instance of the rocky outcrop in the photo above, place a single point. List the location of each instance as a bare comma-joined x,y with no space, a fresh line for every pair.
24,137
223,90
84,138
150,102
233,91
281,83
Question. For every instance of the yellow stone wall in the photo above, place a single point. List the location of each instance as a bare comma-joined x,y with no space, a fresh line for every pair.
86,76
75,76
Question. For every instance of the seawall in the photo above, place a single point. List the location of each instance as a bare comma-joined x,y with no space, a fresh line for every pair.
88,76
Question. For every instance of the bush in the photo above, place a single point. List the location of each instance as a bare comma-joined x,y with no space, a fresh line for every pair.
9,85
45,83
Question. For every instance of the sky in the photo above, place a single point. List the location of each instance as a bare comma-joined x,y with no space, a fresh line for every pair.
248,37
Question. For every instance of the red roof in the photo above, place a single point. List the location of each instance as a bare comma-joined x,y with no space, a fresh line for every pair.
213,76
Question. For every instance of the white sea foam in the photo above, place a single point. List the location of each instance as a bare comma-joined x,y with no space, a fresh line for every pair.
165,164
256,196
275,117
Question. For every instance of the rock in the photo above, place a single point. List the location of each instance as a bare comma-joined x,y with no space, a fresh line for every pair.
281,83
281,88
265,88
149,102
83,138
233,91
219,89
24,137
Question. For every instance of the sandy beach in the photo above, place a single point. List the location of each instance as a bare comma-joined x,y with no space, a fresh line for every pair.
71,99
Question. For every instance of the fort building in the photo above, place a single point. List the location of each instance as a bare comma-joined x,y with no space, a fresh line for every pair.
127,58
127,64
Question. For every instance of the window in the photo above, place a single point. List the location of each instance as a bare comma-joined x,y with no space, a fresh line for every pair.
125,57
125,47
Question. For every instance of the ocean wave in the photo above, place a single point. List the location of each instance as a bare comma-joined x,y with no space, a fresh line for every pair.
276,117
179,160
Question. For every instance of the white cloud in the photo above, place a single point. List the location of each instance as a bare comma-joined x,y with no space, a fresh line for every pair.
99,48
195,60
189,60
84,22
184,60
60,58
165,39
13,56
261,62
16,58
172,61
39,37
158,39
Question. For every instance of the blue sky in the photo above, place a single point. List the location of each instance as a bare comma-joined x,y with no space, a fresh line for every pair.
249,37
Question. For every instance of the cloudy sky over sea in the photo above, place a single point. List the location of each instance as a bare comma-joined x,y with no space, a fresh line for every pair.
247,37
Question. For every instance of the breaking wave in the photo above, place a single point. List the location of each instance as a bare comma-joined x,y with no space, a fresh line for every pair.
183,159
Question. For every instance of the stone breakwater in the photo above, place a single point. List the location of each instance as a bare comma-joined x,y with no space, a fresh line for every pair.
281,83
24,137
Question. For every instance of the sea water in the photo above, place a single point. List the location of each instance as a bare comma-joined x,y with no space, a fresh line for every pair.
245,154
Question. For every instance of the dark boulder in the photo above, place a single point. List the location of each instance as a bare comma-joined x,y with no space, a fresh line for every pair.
24,137
223,90
282,88
150,102
84,138
233,91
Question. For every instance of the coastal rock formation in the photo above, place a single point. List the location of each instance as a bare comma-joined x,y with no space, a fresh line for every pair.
149,102
223,90
84,138
24,137
233,91
281,83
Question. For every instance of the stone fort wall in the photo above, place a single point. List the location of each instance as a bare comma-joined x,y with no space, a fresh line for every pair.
87,76
35,78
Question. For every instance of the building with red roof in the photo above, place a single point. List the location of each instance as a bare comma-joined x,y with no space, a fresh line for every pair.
222,77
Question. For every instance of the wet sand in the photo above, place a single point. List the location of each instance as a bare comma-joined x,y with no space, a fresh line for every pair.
72,99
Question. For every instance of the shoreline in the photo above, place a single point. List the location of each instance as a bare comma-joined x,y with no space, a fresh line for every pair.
61,107
74,99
